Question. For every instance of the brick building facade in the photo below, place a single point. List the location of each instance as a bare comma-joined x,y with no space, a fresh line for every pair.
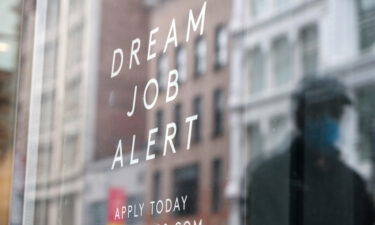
203,66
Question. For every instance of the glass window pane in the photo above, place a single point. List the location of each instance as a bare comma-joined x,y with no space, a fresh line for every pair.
259,7
181,64
309,50
257,70
200,57
186,182
276,125
282,60
221,46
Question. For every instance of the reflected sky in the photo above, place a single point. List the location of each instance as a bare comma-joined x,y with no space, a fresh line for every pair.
8,34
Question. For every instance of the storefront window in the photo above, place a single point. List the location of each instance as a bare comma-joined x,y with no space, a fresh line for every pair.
199,112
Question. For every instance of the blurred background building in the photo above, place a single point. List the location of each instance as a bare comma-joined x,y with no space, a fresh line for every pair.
74,121
10,12
61,102
203,67
275,44
118,24
21,135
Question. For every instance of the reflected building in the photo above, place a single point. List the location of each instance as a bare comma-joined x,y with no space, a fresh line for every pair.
23,101
202,64
118,24
275,45
9,46
72,114
59,117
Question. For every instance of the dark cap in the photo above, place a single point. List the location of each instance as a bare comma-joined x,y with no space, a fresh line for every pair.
322,90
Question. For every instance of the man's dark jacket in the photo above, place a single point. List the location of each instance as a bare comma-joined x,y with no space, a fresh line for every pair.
303,186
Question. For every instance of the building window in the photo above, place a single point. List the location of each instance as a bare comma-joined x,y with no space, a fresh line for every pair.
278,130
258,7
68,209
162,67
50,62
216,185
53,12
181,65
282,53
47,111
72,98
367,24
71,148
98,213
75,45
281,4
186,181
177,118
256,70
218,117
159,121
41,212
156,191
200,56
254,142
221,47
76,6
309,50
157,186
278,125
44,159
197,110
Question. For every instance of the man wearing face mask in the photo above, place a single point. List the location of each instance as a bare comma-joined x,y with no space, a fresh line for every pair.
308,184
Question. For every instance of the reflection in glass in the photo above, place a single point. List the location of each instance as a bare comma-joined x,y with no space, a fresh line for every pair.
282,60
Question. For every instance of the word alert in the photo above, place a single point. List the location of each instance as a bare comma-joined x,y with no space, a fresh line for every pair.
170,133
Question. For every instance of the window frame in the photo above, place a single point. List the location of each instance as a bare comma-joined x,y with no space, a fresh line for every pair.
221,49
200,57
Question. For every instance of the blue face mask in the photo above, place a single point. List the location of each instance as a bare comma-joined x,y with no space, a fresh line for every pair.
321,134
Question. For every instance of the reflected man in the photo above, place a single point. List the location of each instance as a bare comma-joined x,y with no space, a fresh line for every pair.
308,183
